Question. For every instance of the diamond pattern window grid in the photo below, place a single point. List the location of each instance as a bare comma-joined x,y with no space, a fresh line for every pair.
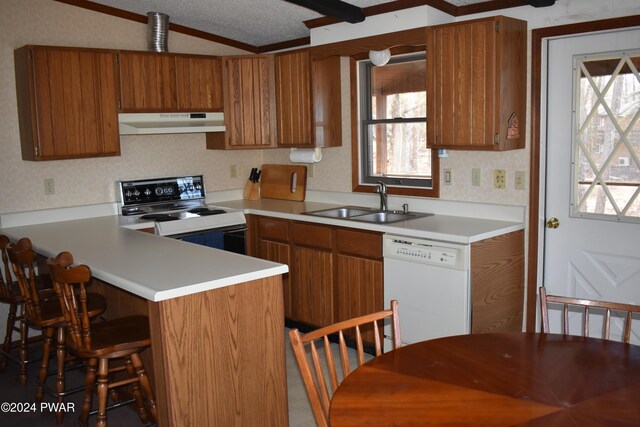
607,137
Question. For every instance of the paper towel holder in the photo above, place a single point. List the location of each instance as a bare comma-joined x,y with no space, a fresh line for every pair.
305,155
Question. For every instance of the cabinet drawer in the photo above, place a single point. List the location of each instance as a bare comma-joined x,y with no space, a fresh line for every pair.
360,243
315,236
274,229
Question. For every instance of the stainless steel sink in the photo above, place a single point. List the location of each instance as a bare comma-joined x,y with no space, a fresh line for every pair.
343,212
362,214
387,217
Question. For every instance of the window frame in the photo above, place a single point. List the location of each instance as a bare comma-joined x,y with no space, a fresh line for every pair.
360,155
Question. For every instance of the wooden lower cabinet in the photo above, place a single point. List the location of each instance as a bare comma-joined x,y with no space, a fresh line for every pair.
497,283
334,273
359,289
312,294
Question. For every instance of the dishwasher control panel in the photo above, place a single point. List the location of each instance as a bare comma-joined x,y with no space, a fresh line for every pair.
448,255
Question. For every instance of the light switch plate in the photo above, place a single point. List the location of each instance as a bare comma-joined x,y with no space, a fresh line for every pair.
475,177
448,177
520,181
233,171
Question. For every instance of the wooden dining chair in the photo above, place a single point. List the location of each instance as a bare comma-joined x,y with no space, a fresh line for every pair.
99,343
10,294
318,390
585,305
42,311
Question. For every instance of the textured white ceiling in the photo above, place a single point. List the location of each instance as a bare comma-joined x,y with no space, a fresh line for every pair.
255,22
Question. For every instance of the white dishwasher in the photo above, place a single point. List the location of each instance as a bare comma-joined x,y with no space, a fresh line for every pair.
431,281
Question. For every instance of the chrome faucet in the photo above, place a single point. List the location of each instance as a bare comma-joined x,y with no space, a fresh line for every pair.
381,189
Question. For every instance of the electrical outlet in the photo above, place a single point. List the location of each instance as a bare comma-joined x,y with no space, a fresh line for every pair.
520,180
310,171
233,171
448,177
499,178
475,177
49,186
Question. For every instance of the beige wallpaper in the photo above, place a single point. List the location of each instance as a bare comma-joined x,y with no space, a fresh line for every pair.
89,181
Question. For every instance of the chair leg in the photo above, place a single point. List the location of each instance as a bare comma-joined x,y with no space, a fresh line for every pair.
137,394
47,333
145,384
60,359
87,401
103,391
8,338
24,348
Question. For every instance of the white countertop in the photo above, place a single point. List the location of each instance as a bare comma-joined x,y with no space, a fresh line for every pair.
153,267
159,268
445,228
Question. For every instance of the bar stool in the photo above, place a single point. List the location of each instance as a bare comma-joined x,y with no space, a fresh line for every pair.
46,315
10,294
99,343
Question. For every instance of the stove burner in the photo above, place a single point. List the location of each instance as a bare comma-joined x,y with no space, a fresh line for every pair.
134,211
160,217
211,212
198,210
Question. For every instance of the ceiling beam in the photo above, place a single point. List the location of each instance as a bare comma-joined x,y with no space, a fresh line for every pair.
333,8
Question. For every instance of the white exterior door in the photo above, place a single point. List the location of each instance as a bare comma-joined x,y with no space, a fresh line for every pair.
592,172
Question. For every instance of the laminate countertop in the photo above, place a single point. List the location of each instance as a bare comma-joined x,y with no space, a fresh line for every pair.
445,228
153,267
159,268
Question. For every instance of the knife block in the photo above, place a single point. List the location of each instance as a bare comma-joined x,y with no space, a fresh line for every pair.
251,191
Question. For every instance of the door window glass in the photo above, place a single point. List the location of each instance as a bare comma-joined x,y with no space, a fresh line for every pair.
606,136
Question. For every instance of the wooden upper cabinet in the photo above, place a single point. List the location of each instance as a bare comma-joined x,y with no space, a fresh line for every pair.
67,102
308,100
148,82
249,104
476,84
293,99
199,83
327,101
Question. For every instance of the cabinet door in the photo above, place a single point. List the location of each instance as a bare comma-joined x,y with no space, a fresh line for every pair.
312,295
462,67
359,279
476,85
249,103
358,290
67,100
293,99
199,83
327,102
272,242
148,82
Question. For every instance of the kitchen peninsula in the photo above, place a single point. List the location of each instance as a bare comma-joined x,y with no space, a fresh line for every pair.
216,317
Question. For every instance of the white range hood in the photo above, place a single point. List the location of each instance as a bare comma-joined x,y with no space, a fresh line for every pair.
155,123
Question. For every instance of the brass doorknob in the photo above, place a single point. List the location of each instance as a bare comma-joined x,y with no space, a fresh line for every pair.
553,223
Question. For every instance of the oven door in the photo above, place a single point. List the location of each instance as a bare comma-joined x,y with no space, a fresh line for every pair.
230,239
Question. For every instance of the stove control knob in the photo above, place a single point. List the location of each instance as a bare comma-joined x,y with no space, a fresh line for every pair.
136,193
198,187
128,193
158,191
190,187
147,192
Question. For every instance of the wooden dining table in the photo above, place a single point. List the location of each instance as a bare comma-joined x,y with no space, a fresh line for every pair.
501,379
